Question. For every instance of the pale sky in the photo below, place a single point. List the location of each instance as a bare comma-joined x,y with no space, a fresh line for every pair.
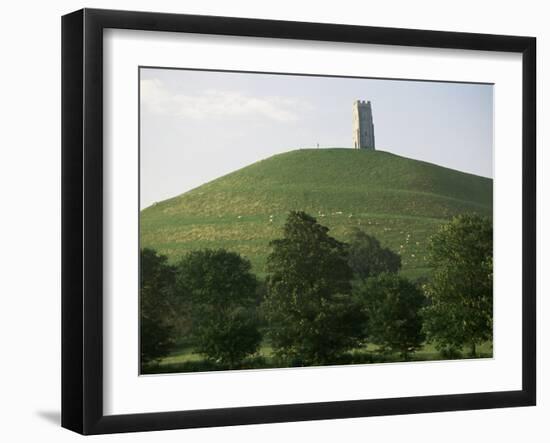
198,125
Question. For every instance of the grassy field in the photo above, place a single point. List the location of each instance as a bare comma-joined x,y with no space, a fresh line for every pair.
183,359
400,201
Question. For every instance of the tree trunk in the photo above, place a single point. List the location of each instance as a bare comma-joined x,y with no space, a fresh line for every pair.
473,349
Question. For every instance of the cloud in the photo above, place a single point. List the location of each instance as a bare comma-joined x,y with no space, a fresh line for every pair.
212,103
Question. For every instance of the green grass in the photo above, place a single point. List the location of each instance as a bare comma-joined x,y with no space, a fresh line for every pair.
184,359
400,201
185,353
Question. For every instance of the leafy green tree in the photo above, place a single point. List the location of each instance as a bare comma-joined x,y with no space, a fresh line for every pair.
157,279
312,317
222,291
393,307
460,294
367,258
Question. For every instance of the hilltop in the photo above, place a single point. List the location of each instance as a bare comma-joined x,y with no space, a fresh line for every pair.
399,200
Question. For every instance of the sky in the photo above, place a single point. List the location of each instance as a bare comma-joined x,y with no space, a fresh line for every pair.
196,126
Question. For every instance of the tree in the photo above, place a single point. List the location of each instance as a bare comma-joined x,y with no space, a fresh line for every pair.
222,291
367,258
311,314
460,294
156,309
393,305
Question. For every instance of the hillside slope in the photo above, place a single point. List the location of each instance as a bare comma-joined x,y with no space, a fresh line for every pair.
399,200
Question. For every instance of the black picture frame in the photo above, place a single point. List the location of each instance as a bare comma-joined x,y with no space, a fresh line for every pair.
82,218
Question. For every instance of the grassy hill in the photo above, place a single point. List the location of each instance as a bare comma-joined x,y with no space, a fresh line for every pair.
399,200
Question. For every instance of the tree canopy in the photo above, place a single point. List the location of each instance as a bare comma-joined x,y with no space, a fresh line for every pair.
311,314
367,258
393,305
460,293
157,279
222,293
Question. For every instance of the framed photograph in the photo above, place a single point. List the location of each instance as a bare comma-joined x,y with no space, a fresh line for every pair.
268,221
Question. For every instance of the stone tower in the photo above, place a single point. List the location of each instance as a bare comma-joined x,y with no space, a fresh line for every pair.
363,127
